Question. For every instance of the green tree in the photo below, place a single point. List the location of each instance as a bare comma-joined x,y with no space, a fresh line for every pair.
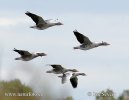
124,95
8,89
69,98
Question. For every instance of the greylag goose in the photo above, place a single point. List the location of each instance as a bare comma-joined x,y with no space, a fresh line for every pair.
41,24
74,79
58,69
26,56
85,42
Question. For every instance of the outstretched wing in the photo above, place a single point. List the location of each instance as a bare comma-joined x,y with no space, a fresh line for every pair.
22,52
37,19
74,81
81,38
64,77
59,67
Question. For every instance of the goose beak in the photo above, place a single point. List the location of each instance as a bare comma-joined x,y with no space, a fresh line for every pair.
105,43
61,24
85,75
108,44
43,54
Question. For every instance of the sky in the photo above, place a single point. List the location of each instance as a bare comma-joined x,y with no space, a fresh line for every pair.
100,20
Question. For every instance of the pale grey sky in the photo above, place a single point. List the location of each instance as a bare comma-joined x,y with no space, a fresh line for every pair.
106,67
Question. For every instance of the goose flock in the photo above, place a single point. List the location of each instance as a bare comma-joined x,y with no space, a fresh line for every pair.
85,42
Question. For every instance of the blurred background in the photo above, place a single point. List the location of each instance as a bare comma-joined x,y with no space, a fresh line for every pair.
106,67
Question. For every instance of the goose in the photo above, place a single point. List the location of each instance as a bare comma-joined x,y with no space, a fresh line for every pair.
74,79
41,24
64,77
85,42
58,69
26,56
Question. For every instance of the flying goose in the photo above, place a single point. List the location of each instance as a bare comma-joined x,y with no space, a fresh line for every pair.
64,77
74,79
58,69
26,56
41,24
85,42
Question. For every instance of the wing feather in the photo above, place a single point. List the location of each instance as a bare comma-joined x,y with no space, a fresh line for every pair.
74,81
57,66
22,52
37,19
81,38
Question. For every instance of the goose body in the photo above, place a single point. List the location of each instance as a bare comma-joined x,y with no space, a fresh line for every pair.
74,79
58,69
41,24
27,56
85,42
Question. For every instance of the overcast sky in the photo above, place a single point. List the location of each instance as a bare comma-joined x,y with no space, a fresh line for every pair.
100,20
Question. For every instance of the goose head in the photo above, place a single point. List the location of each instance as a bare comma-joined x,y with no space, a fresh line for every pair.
73,74
76,74
83,74
74,70
41,54
58,23
105,43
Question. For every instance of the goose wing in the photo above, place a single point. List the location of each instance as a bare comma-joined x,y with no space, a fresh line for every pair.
63,78
81,38
37,19
74,81
22,52
59,67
